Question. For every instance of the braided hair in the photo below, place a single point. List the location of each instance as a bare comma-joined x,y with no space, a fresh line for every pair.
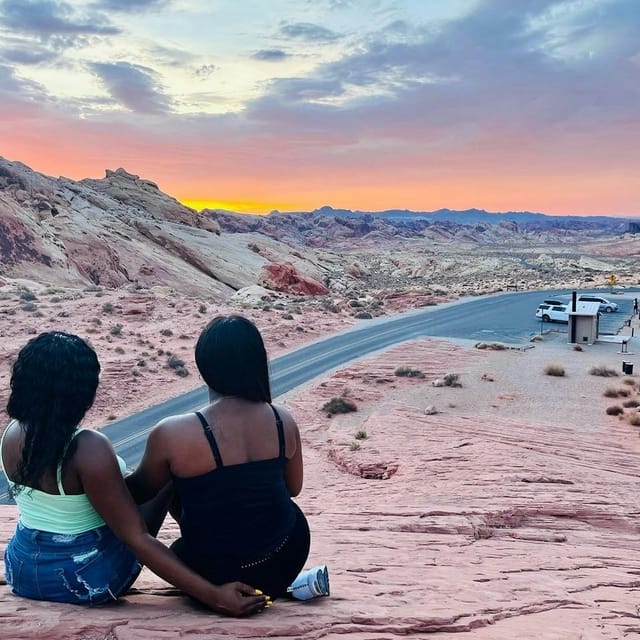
53,384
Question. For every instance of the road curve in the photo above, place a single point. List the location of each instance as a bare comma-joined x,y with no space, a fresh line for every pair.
504,317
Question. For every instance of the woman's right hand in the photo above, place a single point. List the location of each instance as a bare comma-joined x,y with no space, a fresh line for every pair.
238,600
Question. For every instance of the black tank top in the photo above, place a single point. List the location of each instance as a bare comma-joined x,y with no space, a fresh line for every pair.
242,511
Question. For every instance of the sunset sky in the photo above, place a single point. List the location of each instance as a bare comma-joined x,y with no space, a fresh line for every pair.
254,105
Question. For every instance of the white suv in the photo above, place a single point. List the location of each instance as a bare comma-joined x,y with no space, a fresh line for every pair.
553,312
605,305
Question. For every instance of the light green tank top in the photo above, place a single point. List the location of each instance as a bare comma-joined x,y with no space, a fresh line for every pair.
65,514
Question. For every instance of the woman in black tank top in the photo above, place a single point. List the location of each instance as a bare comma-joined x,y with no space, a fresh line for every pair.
235,465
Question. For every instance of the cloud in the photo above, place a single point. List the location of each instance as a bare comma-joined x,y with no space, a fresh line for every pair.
270,55
133,86
130,6
308,32
52,19
205,70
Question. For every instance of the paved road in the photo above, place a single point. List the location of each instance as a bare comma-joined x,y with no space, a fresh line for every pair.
503,317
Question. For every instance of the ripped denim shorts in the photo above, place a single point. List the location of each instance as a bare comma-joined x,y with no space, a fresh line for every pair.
86,568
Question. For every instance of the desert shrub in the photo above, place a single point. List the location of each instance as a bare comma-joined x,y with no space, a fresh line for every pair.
55,299
29,306
354,304
116,330
554,369
166,332
173,362
577,347
615,410
361,435
363,315
603,371
612,392
630,381
63,314
339,405
142,362
108,307
405,371
181,371
634,419
184,336
202,308
111,416
452,380
354,446
631,403
92,288
119,350
287,316
493,346
27,295
96,321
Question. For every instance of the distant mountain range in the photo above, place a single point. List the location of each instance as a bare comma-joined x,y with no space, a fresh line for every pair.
525,219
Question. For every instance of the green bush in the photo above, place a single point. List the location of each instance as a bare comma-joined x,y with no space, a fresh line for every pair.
408,372
339,405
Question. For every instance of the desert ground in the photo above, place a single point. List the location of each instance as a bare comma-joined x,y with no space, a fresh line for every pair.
503,506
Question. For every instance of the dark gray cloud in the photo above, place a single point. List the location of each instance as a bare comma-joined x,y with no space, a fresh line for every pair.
308,32
133,86
130,6
270,55
205,70
52,18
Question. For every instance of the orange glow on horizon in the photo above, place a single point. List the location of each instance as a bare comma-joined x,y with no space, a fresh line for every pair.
257,208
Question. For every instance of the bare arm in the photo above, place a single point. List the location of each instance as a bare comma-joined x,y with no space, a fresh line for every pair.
104,485
294,469
153,472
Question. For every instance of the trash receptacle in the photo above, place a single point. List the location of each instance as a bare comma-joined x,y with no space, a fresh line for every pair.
627,368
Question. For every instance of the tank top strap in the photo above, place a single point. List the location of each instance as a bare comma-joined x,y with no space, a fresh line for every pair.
59,468
210,438
280,426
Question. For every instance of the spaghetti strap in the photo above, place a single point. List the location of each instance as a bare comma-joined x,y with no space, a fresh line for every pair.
281,442
212,441
59,468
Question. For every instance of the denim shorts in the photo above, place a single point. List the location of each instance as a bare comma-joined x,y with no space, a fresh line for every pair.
86,568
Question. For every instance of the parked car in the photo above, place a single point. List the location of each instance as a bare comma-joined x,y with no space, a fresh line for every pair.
553,312
605,305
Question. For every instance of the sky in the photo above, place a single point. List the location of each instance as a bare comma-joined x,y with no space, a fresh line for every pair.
256,105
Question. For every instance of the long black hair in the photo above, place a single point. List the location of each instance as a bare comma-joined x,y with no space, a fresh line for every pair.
53,384
232,359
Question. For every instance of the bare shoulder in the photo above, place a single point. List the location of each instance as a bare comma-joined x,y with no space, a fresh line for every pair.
288,420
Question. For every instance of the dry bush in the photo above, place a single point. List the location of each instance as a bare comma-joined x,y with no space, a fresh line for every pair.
452,380
603,371
554,369
408,372
631,403
615,410
339,405
492,346
577,347
361,435
630,381
634,419
610,392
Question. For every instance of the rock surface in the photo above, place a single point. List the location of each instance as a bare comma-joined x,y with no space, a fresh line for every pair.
475,519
